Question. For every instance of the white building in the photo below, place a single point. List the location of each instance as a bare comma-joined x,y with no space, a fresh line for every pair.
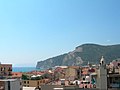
10,84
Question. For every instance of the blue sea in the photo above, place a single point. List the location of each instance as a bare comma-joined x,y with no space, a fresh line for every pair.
23,69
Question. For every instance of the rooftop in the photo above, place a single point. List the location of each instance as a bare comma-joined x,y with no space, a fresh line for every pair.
8,79
28,88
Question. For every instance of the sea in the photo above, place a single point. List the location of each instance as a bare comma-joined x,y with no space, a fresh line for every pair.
24,69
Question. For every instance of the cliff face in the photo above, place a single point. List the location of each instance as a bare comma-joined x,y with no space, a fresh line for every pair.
81,55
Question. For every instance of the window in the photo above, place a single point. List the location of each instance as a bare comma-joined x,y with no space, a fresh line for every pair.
9,74
62,82
88,82
4,68
9,69
20,83
38,83
27,82
116,78
41,81
83,78
24,81
1,68
118,64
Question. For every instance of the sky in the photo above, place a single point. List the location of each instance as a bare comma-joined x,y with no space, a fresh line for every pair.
35,30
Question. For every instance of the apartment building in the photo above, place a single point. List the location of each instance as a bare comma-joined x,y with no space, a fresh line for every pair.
114,74
34,83
10,84
5,70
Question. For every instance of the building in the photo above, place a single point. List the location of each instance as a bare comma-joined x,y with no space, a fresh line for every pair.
34,83
7,82
5,70
114,81
72,73
101,81
11,84
114,74
59,73
16,75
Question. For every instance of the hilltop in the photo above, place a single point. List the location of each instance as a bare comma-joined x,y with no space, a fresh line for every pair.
81,55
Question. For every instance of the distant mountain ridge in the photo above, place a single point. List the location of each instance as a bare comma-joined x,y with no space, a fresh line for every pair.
81,55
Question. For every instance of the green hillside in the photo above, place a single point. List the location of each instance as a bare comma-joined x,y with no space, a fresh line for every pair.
81,55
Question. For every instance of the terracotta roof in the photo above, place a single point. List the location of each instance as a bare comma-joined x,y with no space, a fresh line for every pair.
85,73
36,73
16,74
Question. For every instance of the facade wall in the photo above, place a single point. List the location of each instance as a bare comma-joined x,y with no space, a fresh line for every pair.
5,69
16,85
70,73
34,83
30,83
6,85
114,81
2,85
12,85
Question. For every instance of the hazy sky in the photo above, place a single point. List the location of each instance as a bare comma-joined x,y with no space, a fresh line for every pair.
33,30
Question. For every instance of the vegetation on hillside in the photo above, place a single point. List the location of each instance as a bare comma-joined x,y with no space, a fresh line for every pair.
81,55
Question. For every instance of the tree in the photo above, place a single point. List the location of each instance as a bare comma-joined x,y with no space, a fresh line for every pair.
25,77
